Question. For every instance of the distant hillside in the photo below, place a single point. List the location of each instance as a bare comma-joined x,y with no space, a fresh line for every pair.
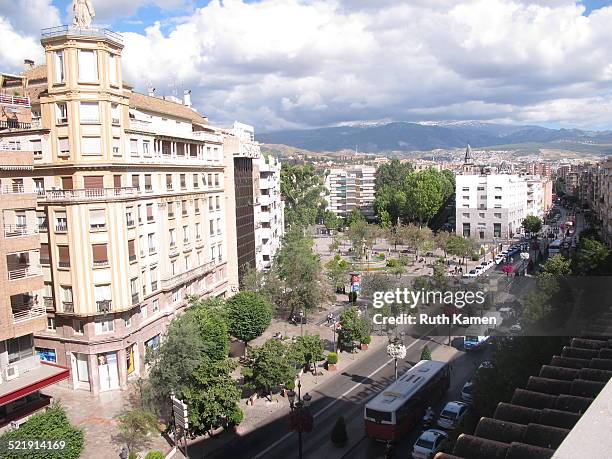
402,136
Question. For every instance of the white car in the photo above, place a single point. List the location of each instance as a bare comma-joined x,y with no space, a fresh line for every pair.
479,270
452,414
472,273
428,444
499,259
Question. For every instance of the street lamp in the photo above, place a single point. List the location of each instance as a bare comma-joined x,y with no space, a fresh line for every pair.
300,418
396,350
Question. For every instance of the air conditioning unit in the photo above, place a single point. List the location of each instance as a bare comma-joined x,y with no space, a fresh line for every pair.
11,372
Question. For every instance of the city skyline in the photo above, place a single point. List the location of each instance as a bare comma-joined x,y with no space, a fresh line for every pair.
279,64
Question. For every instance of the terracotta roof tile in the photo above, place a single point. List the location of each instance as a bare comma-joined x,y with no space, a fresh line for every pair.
166,107
38,72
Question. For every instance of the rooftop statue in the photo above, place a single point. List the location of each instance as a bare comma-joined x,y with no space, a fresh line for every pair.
83,13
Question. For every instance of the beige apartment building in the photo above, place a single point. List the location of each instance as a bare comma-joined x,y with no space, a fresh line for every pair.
22,308
131,208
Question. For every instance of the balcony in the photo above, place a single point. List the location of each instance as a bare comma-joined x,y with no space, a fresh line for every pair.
19,230
69,30
142,126
61,227
100,263
26,314
14,124
7,99
172,281
14,189
132,258
104,306
135,299
90,194
68,306
48,300
25,272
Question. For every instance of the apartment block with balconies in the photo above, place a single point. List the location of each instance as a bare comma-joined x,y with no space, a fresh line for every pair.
122,186
351,188
22,308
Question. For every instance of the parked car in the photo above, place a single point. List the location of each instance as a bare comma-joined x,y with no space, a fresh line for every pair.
472,273
467,392
452,414
428,444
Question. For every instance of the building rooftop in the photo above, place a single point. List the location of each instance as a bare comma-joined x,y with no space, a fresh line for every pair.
167,107
568,395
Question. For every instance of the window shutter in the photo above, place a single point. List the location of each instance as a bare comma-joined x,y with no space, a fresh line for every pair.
94,181
131,248
44,252
67,183
64,253
99,253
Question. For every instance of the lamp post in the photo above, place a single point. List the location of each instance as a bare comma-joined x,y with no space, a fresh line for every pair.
300,418
396,350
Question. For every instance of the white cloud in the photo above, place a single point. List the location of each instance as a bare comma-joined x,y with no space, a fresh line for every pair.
14,48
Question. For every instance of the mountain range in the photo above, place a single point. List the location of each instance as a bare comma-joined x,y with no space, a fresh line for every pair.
405,136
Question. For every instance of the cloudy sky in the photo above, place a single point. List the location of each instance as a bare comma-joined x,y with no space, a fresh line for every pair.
282,64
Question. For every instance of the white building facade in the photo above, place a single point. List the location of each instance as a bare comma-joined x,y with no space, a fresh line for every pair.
351,188
490,207
269,211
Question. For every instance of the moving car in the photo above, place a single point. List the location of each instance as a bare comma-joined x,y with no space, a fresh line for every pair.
467,392
428,444
452,414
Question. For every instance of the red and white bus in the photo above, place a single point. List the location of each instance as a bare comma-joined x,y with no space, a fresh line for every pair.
397,409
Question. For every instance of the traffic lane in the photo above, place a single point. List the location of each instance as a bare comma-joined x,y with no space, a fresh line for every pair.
464,366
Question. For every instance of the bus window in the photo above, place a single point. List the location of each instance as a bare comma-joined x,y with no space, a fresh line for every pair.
379,416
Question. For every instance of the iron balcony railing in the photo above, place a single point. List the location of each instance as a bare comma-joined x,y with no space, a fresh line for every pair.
82,32
19,230
14,100
14,124
22,273
29,314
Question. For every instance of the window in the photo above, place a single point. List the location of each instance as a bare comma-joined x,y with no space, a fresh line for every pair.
197,231
61,113
150,216
36,146
497,229
196,203
466,188
20,348
91,146
132,249
169,182
466,215
104,326
141,245
218,202
210,203
63,147
217,180
481,214
88,66
59,66
44,253
155,306
136,181
187,262
115,114
185,235
173,267
145,148
61,222
77,326
466,230
129,217
184,208
90,112
144,312
64,256
170,209
148,185
151,240
116,146
498,198
183,182
50,323
172,237
97,219
196,184
127,321
93,182
497,215
219,226
100,255
220,253
153,275
41,219
102,295
481,188
211,225
113,61
134,147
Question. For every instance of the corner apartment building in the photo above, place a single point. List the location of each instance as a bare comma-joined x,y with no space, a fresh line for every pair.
490,206
351,188
539,195
22,308
255,215
130,208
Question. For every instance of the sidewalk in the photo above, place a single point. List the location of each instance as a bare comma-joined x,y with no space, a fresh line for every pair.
95,415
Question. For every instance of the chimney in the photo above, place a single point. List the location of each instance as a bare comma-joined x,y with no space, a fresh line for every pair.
187,97
151,91
28,64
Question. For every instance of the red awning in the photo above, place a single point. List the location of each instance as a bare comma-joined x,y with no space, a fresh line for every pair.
32,381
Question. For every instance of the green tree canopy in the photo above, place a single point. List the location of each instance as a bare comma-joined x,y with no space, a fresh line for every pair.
426,192
353,328
268,367
306,350
337,271
331,220
592,258
303,190
532,224
134,428
248,315
50,425
209,315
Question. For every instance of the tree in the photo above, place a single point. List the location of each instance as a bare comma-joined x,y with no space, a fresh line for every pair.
362,236
212,397
390,198
425,353
556,266
419,238
339,436
591,258
50,425
331,220
354,216
532,224
353,328
155,455
337,272
268,367
209,314
248,316
425,195
135,426
303,191
442,239
335,244
306,350
460,246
